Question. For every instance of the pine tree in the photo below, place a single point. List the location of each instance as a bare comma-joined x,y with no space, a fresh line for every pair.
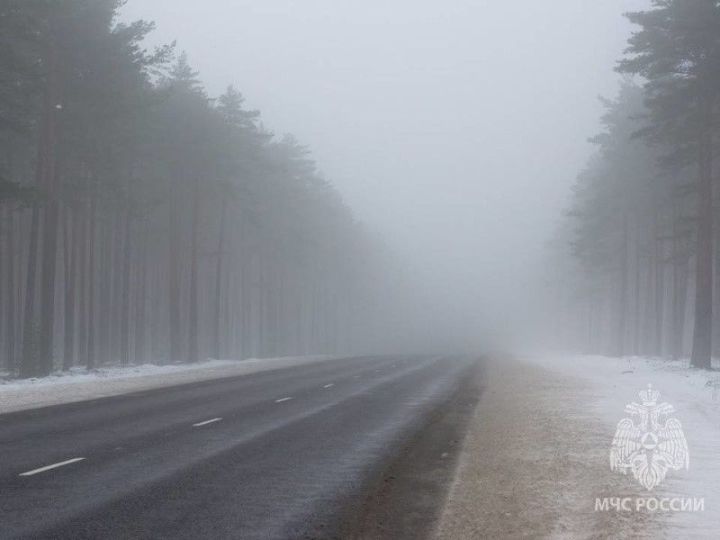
677,50
181,225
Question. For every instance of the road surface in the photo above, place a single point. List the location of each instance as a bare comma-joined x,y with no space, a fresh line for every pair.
277,454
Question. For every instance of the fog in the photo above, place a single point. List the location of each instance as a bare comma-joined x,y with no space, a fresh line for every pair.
453,130
329,251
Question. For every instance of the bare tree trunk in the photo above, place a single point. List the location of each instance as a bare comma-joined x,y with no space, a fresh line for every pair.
702,336
30,361
47,292
28,368
619,345
716,287
680,298
659,265
4,315
637,319
193,349
91,324
174,282
51,213
104,284
140,300
125,300
217,351
115,264
82,266
11,330
70,240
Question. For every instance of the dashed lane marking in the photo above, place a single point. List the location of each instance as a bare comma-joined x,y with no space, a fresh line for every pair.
206,422
51,467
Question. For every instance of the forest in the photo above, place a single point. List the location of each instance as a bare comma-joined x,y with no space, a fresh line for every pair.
639,244
142,220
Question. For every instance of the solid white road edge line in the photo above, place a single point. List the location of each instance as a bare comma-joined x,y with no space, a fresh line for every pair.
51,467
206,422
283,399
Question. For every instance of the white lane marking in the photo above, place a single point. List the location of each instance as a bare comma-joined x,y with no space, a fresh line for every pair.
51,467
283,399
206,422
329,385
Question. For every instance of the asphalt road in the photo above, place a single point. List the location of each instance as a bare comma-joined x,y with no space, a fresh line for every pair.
276,454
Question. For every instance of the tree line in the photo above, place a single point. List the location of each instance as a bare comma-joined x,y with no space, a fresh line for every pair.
141,219
644,258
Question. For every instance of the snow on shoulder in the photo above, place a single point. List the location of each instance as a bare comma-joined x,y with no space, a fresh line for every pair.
608,384
80,384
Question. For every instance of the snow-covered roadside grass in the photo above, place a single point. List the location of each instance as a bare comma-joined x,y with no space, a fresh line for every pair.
611,383
76,375
533,462
80,384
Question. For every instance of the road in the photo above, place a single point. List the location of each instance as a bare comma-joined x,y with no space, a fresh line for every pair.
276,454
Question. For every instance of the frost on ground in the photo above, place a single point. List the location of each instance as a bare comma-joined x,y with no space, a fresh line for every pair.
80,384
537,456
696,399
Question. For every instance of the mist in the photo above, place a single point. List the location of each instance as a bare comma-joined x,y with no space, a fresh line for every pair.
398,270
453,131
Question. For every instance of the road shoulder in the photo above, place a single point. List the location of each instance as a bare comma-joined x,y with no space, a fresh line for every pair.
106,382
533,462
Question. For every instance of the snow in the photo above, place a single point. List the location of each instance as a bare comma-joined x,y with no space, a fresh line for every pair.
80,384
695,394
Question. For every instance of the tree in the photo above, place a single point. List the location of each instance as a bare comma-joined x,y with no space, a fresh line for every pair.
182,226
677,50
627,227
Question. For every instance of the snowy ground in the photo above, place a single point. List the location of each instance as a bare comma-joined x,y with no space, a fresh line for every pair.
537,455
695,394
80,384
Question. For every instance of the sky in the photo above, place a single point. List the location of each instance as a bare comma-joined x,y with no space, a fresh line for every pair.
453,129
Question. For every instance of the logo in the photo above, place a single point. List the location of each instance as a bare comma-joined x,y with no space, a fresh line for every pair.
650,442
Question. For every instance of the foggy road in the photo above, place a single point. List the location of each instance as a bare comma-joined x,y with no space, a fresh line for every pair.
280,454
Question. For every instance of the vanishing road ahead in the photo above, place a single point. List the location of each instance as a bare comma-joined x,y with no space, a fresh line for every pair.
289,453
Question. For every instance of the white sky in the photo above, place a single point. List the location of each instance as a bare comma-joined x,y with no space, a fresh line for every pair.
454,128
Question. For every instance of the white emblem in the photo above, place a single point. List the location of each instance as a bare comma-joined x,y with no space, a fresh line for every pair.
650,442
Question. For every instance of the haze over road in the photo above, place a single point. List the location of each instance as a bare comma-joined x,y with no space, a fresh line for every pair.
279,454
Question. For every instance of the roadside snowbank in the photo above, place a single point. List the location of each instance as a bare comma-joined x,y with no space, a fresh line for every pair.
80,384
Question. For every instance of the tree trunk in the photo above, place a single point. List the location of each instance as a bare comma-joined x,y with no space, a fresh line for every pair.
125,300
51,212
81,268
11,331
619,345
70,240
637,319
217,352
140,300
193,349
659,284
174,282
47,292
702,336
91,323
